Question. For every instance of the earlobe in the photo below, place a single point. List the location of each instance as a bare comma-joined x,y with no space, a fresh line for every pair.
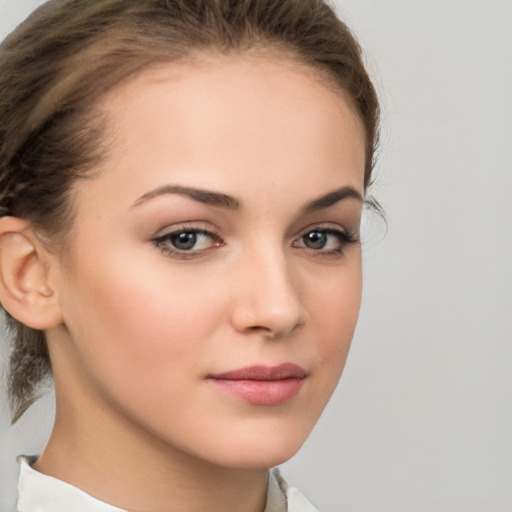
26,292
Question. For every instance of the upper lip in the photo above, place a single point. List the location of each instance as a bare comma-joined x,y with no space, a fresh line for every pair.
261,372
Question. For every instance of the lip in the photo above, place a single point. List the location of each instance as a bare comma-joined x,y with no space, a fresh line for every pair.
262,385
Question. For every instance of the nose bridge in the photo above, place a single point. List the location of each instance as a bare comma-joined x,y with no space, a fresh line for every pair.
268,292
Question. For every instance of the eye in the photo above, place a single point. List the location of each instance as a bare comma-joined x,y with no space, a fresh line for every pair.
316,239
187,243
328,241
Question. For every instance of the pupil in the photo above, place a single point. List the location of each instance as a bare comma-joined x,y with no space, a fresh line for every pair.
315,240
184,241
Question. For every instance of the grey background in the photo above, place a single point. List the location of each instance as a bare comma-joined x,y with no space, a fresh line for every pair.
422,418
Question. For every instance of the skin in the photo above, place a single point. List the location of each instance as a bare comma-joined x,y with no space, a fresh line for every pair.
141,329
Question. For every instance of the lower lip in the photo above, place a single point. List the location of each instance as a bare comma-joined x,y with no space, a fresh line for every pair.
261,392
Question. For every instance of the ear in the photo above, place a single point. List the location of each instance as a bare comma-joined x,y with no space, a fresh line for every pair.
26,290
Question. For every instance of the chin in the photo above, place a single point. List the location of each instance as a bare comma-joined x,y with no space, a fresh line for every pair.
260,458
262,450
265,460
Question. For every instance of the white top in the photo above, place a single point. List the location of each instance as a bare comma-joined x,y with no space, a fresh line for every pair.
42,493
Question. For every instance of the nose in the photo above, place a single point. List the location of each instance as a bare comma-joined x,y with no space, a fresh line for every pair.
268,298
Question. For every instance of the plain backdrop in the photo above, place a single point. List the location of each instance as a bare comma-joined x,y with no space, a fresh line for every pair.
422,419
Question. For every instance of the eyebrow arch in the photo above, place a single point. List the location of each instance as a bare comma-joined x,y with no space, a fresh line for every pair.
202,196
331,199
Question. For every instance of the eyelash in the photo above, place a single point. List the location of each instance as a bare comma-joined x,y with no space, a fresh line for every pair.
344,239
163,242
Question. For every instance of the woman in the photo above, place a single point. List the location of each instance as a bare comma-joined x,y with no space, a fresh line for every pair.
182,184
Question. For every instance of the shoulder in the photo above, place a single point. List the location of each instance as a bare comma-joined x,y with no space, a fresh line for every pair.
42,493
295,500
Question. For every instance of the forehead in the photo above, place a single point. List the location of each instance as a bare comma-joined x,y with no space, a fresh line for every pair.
234,120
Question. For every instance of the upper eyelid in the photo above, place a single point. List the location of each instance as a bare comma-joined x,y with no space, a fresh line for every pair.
187,230
199,226
326,226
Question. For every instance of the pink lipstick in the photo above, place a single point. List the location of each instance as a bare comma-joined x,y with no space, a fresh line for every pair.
262,385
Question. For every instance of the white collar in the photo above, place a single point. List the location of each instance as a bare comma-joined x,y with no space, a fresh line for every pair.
42,493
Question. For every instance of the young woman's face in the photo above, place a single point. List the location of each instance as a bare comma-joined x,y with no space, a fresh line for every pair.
213,278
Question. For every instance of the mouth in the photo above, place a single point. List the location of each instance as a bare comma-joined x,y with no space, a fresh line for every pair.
262,385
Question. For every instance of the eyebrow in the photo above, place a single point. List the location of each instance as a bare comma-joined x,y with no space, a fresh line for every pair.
331,199
202,196
229,202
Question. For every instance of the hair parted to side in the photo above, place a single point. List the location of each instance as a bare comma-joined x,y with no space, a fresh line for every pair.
58,63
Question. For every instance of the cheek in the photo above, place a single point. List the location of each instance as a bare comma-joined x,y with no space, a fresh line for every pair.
141,324
333,314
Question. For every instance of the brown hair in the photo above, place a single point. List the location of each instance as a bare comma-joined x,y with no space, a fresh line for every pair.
70,52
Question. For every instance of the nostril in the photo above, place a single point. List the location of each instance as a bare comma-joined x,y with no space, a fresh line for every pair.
277,330
267,331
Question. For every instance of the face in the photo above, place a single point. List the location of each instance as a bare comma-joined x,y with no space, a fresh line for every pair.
213,276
